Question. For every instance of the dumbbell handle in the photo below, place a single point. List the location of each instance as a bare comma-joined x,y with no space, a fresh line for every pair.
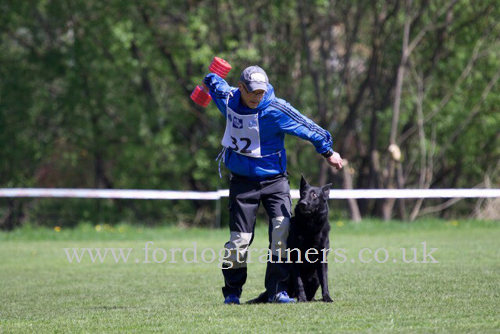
218,66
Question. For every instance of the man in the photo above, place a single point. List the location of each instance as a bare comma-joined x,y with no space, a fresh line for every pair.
256,124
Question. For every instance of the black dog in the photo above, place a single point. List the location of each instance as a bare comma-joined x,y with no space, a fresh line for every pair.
309,231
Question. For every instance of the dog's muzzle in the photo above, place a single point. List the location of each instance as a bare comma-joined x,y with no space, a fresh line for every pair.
304,208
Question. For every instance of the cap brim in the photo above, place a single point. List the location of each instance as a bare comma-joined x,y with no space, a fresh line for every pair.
253,86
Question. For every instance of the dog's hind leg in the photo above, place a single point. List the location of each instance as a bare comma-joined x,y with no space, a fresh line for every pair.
311,287
263,298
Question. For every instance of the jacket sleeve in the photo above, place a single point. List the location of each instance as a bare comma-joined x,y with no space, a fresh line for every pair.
219,90
294,123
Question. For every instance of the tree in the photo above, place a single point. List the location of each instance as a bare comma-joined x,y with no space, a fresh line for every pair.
96,94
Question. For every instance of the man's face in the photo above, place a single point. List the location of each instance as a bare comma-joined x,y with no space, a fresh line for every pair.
250,99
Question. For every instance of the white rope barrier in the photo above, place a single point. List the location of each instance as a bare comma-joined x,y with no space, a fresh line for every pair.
215,195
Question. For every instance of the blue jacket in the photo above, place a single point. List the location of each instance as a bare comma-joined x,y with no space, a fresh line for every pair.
276,118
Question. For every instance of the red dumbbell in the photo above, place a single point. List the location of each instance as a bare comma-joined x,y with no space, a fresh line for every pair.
220,67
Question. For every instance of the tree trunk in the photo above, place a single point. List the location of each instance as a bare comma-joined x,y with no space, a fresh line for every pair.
353,205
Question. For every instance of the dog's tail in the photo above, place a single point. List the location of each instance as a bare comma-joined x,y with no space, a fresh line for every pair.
263,298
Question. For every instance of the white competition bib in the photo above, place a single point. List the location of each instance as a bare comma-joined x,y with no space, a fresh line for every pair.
242,133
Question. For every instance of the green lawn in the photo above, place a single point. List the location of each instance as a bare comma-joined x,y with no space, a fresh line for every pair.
40,291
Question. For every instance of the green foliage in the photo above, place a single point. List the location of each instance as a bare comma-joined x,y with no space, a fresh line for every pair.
96,94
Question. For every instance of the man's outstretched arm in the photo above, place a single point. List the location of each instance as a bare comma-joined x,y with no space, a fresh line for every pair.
333,159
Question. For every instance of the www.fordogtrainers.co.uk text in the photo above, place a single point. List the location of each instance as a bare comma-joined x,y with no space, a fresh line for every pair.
423,254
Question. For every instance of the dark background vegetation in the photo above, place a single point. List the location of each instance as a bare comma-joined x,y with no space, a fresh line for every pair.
95,94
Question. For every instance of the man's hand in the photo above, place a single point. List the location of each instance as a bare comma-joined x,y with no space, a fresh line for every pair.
335,160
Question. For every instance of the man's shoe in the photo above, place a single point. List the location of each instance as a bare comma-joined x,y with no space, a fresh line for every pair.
232,299
281,297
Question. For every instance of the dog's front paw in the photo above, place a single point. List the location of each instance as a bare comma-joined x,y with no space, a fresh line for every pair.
301,298
327,299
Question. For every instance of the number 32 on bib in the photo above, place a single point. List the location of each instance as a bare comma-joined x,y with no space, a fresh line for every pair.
242,134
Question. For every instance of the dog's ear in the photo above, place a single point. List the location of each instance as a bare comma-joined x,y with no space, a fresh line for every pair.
326,190
303,183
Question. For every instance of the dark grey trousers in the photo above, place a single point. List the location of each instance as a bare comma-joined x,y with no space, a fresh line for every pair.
245,197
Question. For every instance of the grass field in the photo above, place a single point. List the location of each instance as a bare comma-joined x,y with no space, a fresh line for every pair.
41,291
